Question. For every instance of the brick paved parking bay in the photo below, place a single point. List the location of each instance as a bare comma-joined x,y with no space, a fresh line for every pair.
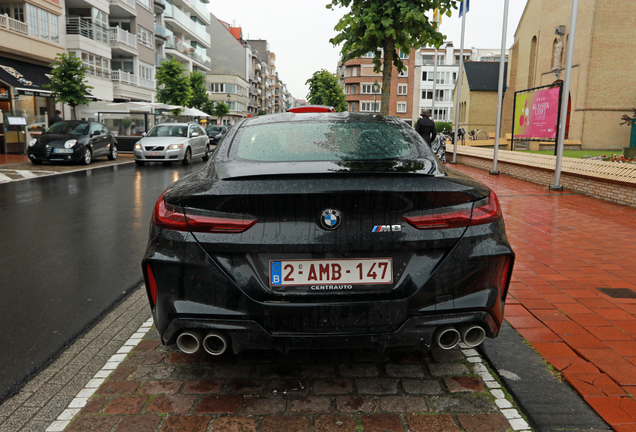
157,388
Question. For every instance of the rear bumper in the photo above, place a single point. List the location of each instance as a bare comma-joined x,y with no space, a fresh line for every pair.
248,334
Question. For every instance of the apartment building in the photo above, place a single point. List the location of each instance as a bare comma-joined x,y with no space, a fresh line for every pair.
261,86
363,86
447,72
187,39
32,35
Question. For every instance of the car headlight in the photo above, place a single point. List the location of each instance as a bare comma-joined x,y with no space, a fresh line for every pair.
175,146
32,142
69,143
137,146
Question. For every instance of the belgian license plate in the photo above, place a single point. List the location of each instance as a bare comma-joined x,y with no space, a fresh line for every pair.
368,271
155,153
62,150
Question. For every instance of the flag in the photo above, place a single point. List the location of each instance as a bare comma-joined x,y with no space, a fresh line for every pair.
461,7
437,17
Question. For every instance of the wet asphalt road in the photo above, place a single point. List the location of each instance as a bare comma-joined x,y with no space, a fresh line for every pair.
70,247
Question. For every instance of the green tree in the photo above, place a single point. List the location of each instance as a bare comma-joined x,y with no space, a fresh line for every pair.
393,25
324,89
173,85
221,109
199,93
443,127
68,83
208,107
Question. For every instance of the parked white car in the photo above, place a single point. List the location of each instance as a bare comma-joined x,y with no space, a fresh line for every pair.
172,142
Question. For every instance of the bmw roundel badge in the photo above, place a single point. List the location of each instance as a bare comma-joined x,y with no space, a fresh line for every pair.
330,219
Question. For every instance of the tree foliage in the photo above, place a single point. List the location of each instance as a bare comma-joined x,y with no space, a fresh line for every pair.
324,89
221,109
199,93
393,26
68,83
208,107
173,85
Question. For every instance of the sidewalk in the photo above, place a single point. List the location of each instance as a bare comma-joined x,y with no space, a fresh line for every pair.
574,281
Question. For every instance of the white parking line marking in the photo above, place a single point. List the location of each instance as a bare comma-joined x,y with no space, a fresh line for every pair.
80,400
4,178
26,174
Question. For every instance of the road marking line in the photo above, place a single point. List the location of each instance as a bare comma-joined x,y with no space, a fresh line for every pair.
80,400
26,173
4,178
505,407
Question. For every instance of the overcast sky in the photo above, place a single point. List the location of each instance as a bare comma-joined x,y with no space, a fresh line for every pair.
298,31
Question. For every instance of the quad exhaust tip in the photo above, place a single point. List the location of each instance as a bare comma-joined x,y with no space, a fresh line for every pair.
215,343
189,341
446,337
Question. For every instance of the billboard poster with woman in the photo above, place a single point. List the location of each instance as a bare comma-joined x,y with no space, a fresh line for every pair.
536,114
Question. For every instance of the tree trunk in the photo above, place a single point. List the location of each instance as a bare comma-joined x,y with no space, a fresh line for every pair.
387,70
73,113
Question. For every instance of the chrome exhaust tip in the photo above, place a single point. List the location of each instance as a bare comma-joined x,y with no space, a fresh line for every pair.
446,337
189,341
215,343
472,334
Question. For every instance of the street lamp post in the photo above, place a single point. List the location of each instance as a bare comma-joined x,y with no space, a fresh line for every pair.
229,96
375,95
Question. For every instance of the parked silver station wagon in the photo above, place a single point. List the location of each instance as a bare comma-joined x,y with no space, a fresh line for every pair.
172,142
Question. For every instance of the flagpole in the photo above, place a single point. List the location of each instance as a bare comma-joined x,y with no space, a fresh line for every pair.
434,82
565,98
459,78
502,63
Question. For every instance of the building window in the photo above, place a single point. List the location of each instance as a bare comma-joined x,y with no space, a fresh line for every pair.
428,60
404,55
369,107
368,89
145,3
401,107
97,66
404,73
441,59
424,75
427,94
144,37
42,23
402,89
217,87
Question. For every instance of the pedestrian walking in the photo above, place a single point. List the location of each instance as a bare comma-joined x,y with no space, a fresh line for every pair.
426,127
55,118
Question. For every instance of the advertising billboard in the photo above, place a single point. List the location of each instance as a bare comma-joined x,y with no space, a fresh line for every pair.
537,114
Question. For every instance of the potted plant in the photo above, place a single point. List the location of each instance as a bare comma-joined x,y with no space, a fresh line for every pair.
126,123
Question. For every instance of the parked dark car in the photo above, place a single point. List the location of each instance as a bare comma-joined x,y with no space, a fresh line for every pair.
216,133
330,230
73,141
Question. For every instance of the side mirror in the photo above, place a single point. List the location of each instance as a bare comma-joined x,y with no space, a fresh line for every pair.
143,134
94,133
194,134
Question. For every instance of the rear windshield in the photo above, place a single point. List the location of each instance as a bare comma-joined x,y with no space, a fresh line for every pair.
214,129
321,141
69,127
169,131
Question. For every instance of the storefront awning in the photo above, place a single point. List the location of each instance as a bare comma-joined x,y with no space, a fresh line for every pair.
26,78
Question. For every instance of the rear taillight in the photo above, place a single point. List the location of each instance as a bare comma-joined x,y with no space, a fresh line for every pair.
483,211
439,220
486,210
175,218
152,285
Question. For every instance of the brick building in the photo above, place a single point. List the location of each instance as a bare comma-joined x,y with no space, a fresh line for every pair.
358,79
603,85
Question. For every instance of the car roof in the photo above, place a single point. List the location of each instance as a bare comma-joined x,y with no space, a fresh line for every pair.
312,109
335,117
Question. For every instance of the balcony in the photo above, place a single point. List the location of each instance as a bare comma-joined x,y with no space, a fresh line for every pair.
9,23
122,7
85,28
120,38
160,6
201,9
197,54
158,60
131,79
160,33
182,20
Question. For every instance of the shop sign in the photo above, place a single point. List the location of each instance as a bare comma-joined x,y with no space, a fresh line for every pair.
17,75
